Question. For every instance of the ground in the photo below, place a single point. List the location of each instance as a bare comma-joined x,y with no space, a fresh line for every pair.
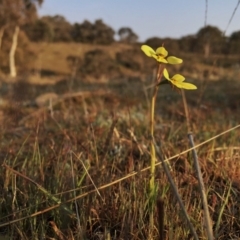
78,166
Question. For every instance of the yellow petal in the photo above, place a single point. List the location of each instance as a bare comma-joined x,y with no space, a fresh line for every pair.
174,60
148,50
184,85
178,78
165,74
162,51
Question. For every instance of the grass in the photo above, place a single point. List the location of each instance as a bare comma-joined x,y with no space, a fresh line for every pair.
81,171
50,53
195,65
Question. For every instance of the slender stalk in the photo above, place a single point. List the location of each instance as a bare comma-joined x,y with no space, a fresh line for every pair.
225,202
153,152
174,188
152,124
74,192
208,221
160,208
186,110
152,187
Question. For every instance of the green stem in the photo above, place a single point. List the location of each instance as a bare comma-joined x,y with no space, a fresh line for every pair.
152,187
153,152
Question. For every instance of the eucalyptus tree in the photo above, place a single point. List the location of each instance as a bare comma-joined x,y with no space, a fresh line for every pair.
209,39
234,43
13,14
127,35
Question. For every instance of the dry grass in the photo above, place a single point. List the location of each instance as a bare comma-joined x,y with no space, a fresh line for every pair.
48,54
93,148
51,64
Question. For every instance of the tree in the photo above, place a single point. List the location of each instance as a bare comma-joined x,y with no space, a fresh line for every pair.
39,31
233,46
14,14
59,27
130,59
3,19
103,34
97,63
24,54
210,40
187,43
169,43
83,32
127,35
154,42
97,33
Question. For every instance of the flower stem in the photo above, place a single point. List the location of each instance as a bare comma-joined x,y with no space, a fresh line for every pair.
152,187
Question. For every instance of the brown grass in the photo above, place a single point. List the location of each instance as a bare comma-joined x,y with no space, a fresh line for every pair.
53,56
101,142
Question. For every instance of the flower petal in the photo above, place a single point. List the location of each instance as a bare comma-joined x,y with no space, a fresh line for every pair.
148,50
162,51
174,60
184,85
178,78
165,74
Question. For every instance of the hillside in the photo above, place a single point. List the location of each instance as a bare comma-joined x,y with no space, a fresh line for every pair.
56,60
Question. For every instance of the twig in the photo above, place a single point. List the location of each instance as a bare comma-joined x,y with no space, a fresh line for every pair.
42,189
174,188
226,199
202,190
114,182
229,22
74,192
206,13
160,209
208,221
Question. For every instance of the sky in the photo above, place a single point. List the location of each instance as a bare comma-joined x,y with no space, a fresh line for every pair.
149,18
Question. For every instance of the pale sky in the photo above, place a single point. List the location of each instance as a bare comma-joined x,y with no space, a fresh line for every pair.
149,18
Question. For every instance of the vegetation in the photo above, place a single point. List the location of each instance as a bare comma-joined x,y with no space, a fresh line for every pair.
14,14
127,35
81,155
88,141
18,29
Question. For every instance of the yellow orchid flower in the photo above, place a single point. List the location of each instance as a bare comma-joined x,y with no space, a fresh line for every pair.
178,81
160,55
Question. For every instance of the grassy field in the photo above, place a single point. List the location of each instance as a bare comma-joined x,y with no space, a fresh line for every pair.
48,54
51,62
79,167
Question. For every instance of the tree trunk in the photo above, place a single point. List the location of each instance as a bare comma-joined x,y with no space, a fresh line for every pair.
206,50
13,72
1,35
